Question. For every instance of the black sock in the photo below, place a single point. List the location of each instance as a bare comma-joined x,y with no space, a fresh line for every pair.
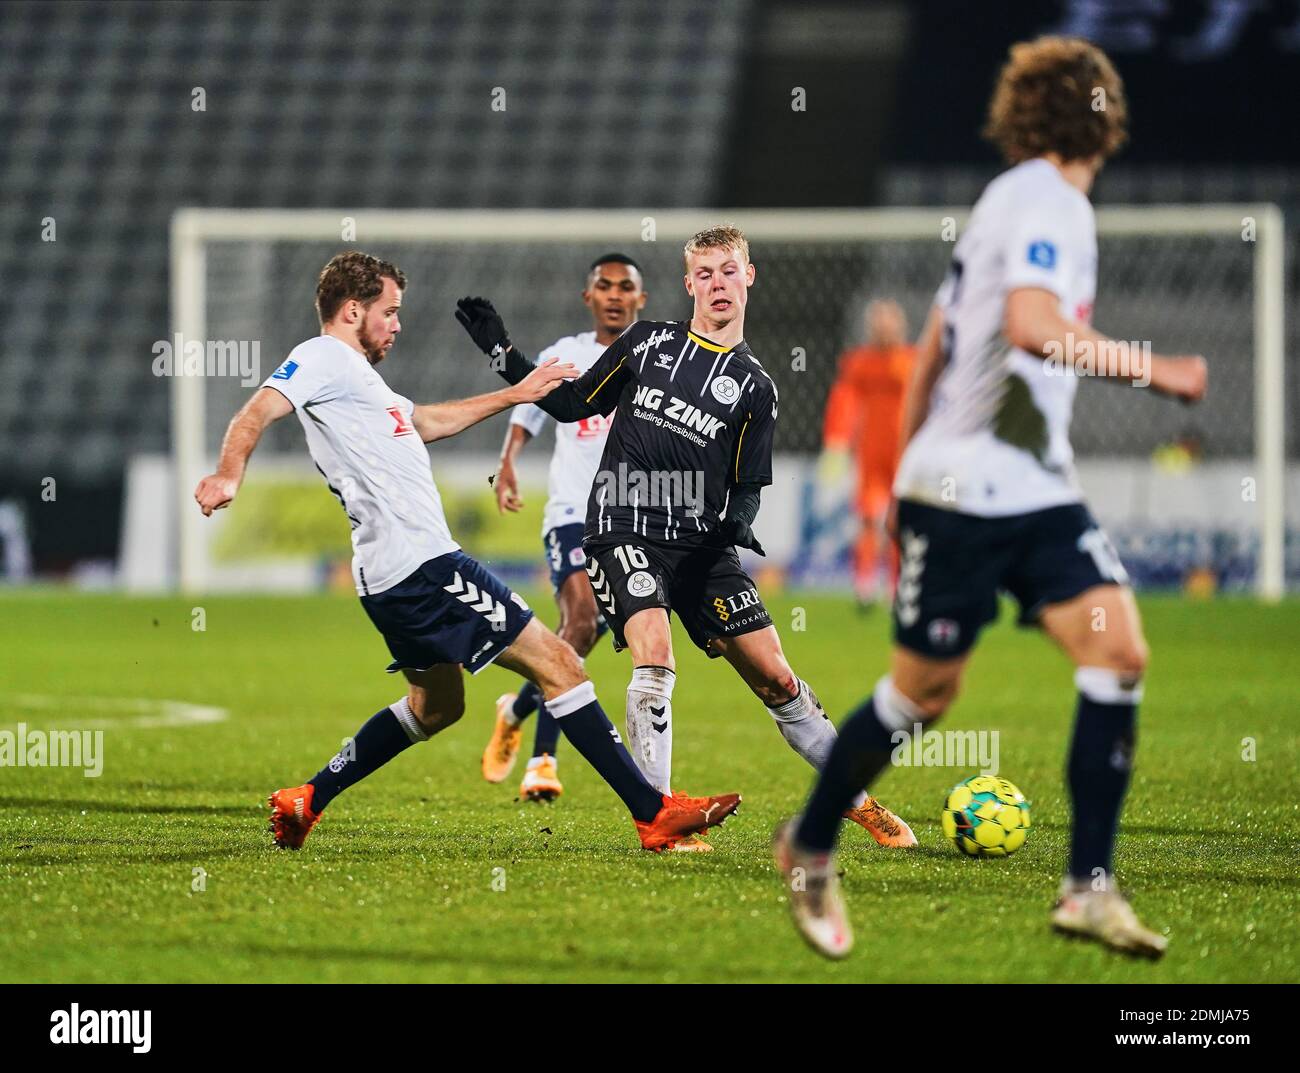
861,752
547,736
589,730
527,701
381,738
1101,757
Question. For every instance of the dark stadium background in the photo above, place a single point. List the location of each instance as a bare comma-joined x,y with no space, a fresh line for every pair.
638,103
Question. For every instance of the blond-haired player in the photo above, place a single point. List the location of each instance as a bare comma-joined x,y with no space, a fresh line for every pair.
688,452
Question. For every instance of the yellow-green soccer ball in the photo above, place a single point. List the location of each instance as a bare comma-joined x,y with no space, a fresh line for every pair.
986,816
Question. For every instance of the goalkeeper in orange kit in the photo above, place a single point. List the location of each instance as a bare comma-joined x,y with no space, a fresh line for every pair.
864,414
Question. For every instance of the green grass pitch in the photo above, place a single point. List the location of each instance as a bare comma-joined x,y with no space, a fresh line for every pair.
399,880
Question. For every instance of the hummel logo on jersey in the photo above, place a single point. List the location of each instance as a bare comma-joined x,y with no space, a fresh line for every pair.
655,339
478,600
907,594
404,427
600,586
689,415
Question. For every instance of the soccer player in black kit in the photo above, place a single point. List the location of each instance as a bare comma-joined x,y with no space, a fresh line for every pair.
689,450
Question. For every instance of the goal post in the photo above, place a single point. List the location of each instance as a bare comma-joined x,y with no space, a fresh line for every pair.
1204,278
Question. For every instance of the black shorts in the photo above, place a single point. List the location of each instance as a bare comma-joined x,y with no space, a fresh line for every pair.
707,588
564,552
954,565
450,610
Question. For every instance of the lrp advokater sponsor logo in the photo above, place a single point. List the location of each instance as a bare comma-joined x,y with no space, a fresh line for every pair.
76,1025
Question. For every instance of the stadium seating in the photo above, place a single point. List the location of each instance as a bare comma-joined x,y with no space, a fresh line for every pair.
100,132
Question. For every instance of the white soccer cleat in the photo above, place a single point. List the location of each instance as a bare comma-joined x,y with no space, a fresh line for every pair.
1104,915
813,888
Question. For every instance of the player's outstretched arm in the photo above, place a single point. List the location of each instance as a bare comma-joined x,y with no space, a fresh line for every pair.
506,481
484,325
438,420
1034,324
246,427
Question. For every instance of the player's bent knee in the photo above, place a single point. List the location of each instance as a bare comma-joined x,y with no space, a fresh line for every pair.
566,669
778,686
931,694
936,699
432,716
1128,658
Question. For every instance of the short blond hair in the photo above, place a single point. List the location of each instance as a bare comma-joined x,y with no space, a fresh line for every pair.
722,237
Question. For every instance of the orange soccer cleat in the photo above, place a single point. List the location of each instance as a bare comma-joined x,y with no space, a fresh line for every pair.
684,816
291,816
503,746
541,783
882,825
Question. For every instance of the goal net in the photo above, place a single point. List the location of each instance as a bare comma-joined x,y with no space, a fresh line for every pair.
1189,495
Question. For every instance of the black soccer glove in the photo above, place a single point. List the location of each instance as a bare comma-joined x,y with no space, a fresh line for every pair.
737,531
484,324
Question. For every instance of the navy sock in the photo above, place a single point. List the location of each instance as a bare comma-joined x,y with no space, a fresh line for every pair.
861,752
382,738
547,736
527,701
1101,757
589,730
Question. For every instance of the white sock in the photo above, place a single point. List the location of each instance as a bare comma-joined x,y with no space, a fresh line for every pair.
650,724
802,722
804,725
536,762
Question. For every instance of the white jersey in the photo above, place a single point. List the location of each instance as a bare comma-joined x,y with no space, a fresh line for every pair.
996,439
360,436
578,444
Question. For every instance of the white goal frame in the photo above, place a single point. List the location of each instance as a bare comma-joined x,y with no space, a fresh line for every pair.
192,229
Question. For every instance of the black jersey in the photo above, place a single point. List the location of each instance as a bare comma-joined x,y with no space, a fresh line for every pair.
692,419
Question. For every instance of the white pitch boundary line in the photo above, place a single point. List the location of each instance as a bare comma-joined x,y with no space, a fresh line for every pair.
141,713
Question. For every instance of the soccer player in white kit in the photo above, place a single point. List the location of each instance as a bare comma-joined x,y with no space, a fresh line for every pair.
986,494
439,611
615,295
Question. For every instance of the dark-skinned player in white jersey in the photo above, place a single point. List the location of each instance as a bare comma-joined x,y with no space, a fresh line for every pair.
688,453
615,295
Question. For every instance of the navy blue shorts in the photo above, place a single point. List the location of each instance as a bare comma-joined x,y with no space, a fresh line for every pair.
450,610
954,565
564,552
